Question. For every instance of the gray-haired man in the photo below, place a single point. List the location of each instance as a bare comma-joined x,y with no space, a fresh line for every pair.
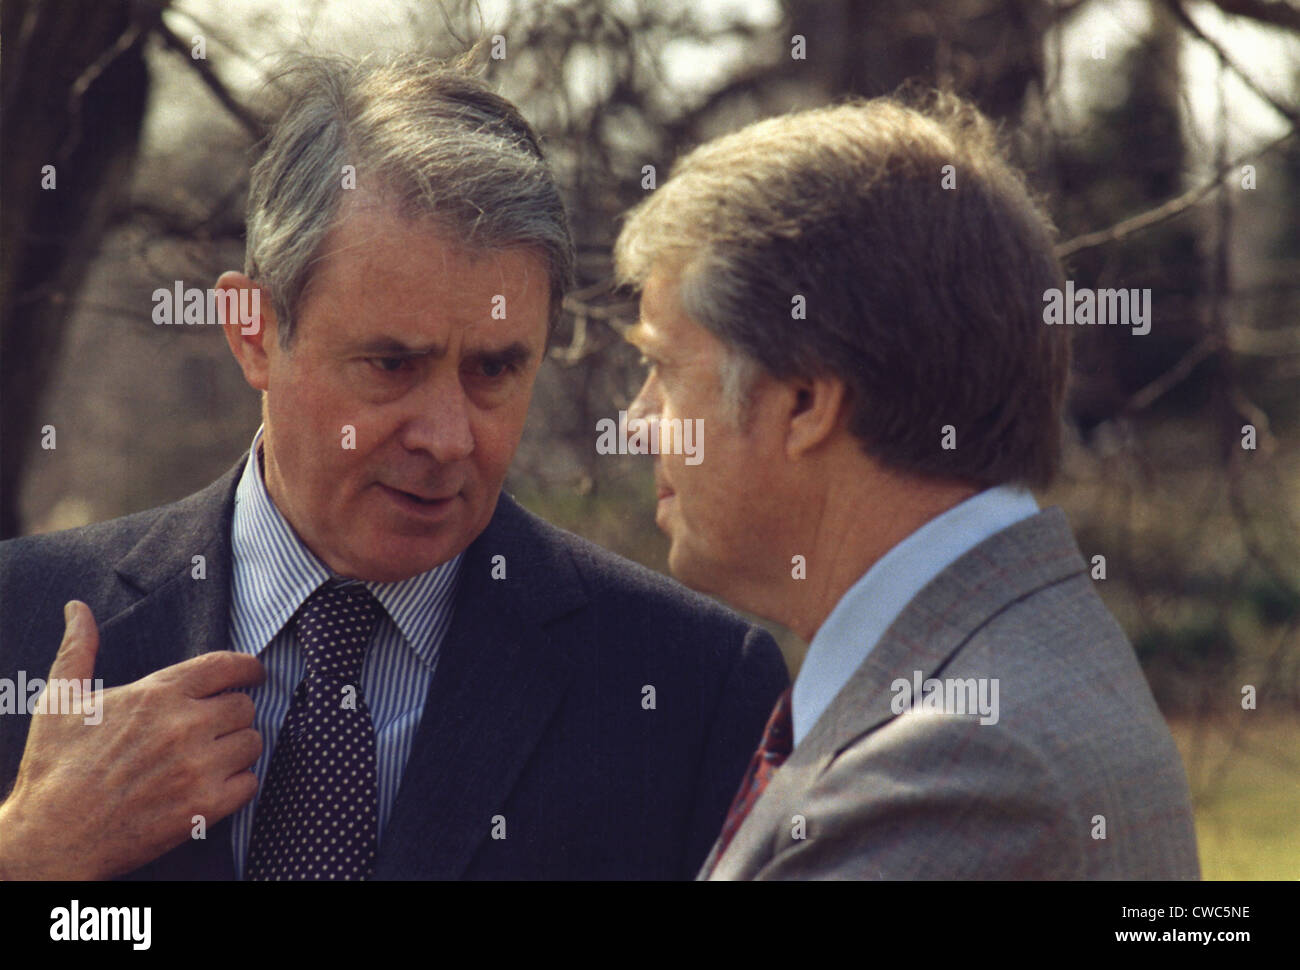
439,685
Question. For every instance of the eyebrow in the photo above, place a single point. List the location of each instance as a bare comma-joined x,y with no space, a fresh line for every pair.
640,336
511,355
392,347
516,353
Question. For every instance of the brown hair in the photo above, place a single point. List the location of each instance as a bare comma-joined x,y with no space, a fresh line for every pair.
923,284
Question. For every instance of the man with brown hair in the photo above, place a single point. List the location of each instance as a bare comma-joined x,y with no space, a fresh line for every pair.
851,299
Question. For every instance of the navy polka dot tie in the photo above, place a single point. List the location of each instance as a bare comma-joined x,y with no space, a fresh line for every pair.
318,814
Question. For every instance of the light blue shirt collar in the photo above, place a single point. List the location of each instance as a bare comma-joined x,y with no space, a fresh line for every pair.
866,611
274,572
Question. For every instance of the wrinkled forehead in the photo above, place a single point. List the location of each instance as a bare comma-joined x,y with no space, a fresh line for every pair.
375,249
660,312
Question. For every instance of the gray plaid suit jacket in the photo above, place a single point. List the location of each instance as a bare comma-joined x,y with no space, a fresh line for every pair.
1079,749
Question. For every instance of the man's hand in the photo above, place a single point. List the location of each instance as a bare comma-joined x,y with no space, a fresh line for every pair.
96,800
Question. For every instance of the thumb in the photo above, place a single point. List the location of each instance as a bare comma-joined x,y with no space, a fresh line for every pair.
76,657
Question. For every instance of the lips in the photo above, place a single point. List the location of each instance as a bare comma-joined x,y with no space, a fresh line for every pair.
421,497
416,501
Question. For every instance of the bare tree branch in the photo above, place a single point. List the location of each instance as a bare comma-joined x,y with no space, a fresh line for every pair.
1286,111
251,122
1274,12
77,92
207,29
1165,211
1159,387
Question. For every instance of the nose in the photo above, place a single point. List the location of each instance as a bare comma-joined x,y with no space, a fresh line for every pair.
646,405
439,422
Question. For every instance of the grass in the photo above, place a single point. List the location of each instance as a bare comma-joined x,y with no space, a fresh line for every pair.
1245,778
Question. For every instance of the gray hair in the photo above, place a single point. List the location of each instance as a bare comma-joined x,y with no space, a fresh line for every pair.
431,138
737,374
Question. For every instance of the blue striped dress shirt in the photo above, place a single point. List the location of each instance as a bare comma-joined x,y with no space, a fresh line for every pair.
274,572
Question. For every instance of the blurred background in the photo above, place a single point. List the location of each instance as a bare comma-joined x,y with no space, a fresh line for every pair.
1163,134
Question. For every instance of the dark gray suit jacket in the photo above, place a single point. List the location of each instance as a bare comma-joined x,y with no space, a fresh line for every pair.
534,713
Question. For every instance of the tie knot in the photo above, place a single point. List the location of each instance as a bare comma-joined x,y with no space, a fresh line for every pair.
334,627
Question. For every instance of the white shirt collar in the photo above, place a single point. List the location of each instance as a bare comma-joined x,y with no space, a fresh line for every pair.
871,605
274,572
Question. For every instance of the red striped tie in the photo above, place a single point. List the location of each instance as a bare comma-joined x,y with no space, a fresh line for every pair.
778,741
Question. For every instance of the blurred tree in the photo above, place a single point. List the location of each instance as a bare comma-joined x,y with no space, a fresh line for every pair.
75,86
1134,158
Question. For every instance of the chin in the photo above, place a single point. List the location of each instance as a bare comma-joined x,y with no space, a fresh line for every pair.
689,571
415,564
390,562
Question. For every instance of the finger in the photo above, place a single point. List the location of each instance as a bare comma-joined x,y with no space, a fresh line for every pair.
234,793
236,752
226,713
211,673
227,795
76,657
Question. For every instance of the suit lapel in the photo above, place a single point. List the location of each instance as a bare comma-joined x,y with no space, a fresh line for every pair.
499,677
498,681
1007,567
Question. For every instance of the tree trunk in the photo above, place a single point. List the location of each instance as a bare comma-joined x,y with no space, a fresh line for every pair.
74,91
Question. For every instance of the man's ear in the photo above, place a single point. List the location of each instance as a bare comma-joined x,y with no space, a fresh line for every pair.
248,319
816,407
